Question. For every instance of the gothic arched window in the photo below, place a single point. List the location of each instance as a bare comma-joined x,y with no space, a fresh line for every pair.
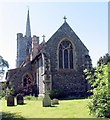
27,81
65,55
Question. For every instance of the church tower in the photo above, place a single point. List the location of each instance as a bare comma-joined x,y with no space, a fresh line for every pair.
24,44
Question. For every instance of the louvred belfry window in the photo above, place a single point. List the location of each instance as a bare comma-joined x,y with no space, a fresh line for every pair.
65,55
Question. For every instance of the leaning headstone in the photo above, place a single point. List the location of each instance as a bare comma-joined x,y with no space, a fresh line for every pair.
10,100
46,101
20,99
55,101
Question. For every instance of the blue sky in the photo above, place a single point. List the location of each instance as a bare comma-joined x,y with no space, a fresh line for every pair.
89,20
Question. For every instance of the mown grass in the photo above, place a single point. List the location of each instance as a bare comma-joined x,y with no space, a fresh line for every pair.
33,109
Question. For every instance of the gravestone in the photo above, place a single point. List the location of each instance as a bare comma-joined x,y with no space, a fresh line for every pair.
46,101
10,100
20,99
55,101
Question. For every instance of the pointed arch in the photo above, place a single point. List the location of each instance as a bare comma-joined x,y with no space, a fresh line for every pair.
27,80
66,53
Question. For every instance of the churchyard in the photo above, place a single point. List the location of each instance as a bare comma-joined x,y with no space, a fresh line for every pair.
33,108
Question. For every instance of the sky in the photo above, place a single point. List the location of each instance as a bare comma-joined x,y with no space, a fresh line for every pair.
89,20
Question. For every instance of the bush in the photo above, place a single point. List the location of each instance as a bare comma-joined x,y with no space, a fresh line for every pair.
57,93
2,93
100,103
3,90
30,98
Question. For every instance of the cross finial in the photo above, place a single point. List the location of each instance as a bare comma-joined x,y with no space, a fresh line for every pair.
64,18
43,38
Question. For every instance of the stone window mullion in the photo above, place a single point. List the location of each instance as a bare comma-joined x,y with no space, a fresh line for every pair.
63,57
69,58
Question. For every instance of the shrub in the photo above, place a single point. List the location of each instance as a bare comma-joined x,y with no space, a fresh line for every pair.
100,103
30,98
2,93
57,93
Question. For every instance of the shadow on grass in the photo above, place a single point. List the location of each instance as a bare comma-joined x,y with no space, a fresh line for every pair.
22,104
53,106
11,116
73,98
17,105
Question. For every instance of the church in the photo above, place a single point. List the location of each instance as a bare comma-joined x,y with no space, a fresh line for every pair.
55,66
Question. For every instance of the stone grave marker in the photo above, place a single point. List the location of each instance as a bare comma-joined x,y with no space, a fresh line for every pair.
46,101
10,100
20,99
55,101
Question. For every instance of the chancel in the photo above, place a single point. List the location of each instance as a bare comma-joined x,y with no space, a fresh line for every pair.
55,65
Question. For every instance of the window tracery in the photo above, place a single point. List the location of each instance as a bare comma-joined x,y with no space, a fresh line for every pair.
65,55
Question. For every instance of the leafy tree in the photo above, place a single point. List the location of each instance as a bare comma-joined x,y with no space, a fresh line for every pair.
99,80
3,64
104,60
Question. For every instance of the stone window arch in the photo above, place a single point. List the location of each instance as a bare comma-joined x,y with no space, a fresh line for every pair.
88,63
27,81
65,55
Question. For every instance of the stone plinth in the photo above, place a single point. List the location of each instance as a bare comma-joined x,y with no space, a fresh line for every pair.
55,101
46,101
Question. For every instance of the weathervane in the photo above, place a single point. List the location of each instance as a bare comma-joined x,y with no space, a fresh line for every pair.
64,18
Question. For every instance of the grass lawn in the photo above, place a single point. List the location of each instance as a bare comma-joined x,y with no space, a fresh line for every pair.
34,109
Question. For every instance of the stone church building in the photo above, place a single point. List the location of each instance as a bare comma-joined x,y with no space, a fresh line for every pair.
55,66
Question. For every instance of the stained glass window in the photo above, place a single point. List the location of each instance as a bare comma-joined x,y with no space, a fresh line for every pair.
71,58
65,58
60,59
66,55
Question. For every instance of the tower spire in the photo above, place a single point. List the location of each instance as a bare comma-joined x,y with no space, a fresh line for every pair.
28,28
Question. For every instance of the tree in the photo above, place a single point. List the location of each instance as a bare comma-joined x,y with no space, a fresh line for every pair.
104,60
3,64
99,80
